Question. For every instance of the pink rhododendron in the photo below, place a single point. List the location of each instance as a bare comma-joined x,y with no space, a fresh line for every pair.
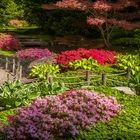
8,42
62,115
34,53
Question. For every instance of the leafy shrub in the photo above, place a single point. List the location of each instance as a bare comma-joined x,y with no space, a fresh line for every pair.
15,94
101,56
42,69
34,53
8,42
129,61
17,23
61,116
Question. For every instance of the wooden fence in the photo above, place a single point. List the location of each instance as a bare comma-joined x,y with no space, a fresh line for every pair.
12,66
103,78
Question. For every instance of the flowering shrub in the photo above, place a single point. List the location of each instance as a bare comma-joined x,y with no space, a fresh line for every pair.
8,42
17,23
61,115
34,53
101,56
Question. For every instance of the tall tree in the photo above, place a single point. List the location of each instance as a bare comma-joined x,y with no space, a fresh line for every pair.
105,14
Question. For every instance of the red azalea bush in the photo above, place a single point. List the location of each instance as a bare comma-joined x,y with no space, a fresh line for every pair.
8,42
61,115
101,56
34,53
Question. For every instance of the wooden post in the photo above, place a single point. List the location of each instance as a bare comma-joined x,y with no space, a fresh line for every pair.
47,77
88,77
20,72
6,64
14,66
128,73
103,79
50,80
8,76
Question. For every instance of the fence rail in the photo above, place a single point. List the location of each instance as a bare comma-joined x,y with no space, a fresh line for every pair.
103,78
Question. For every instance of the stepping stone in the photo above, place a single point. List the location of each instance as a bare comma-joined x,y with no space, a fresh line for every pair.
125,90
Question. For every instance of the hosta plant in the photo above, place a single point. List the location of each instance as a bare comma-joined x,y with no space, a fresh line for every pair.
8,42
129,61
41,70
60,116
86,64
16,94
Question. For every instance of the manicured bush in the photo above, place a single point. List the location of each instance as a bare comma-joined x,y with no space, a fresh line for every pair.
60,116
8,42
34,53
101,56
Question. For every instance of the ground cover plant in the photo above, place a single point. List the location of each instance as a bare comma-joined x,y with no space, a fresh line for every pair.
125,126
8,42
63,115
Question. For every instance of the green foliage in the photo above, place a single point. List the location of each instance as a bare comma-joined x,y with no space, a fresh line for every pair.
129,61
41,70
15,94
86,64
126,126
126,38
9,10
135,82
133,42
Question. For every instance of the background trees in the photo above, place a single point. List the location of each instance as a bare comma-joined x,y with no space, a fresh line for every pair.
105,14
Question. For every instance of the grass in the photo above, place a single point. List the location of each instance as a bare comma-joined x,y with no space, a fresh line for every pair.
7,53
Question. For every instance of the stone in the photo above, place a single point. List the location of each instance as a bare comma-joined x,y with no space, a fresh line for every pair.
125,90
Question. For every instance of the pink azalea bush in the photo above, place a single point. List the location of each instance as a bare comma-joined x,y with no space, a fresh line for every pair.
61,115
101,56
34,53
8,42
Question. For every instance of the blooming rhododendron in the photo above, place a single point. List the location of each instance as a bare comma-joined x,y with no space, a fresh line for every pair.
62,115
101,56
8,42
34,53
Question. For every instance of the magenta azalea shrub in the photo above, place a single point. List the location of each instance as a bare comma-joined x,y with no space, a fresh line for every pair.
101,56
8,42
34,53
61,115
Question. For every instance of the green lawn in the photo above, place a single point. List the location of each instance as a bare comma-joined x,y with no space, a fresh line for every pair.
7,53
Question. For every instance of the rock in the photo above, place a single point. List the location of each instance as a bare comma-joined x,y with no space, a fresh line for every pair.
125,90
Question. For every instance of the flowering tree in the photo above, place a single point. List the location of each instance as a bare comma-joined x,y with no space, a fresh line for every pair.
105,14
